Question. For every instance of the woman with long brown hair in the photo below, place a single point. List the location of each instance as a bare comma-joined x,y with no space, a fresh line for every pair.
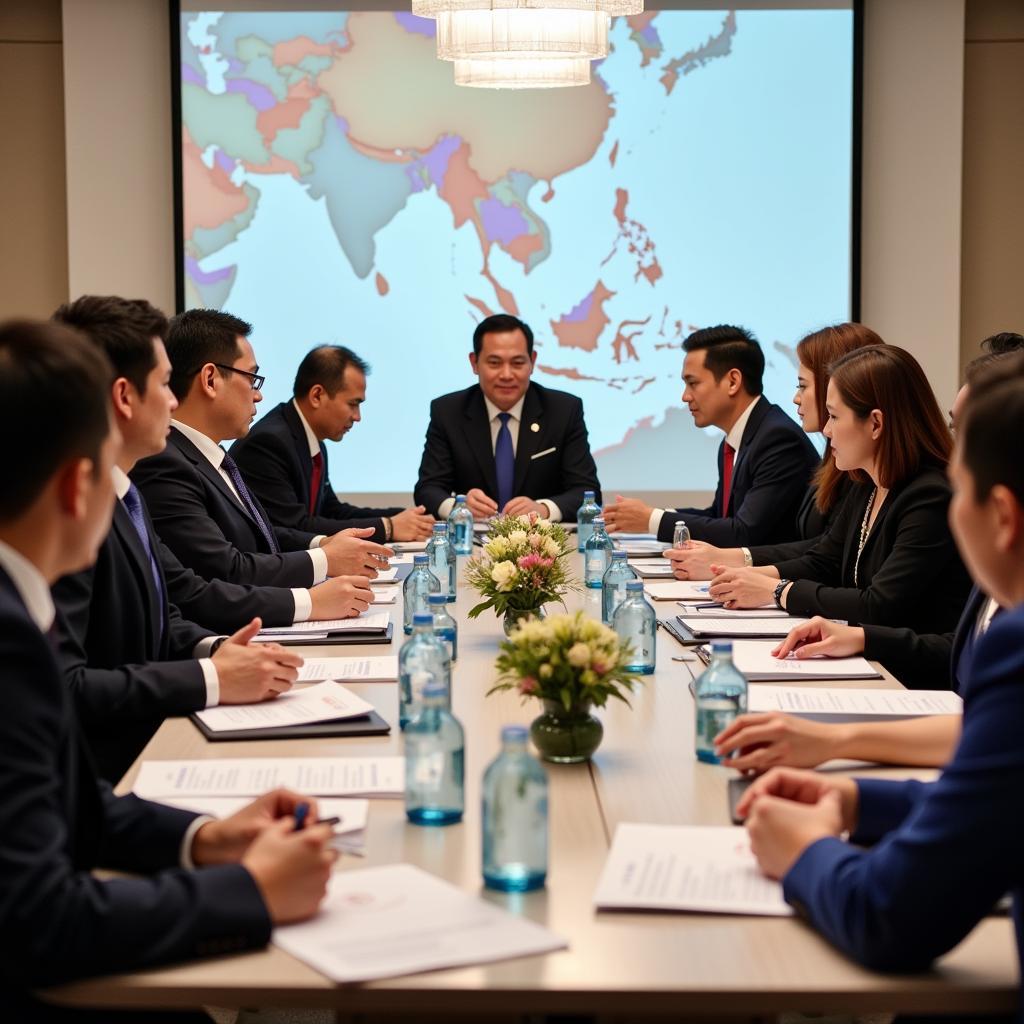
815,353
889,556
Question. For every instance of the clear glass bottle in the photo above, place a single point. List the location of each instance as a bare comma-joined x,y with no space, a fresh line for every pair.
515,817
720,694
680,535
418,586
446,629
636,623
598,555
585,517
440,553
613,585
434,762
460,527
423,659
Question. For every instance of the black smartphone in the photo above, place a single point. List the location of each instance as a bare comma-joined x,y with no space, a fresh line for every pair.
737,787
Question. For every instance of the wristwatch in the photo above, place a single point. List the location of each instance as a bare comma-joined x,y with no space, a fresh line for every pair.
782,584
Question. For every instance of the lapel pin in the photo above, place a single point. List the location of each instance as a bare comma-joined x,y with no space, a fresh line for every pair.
535,427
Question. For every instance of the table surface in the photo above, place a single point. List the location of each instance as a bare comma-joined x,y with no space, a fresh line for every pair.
636,962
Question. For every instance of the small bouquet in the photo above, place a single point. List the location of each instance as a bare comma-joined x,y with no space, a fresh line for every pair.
522,566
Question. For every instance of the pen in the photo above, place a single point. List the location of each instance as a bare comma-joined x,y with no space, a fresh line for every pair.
709,604
301,812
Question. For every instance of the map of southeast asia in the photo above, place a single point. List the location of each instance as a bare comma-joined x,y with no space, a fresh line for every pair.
339,188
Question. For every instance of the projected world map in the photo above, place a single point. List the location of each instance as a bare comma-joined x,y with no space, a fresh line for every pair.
339,188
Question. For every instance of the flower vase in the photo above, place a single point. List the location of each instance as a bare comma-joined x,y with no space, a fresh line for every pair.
566,737
513,616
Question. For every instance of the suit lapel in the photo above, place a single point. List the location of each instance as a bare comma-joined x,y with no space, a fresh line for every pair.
529,442
301,447
478,434
202,463
129,540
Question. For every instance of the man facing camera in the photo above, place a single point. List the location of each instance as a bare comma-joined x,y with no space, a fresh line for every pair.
284,458
508,444
765,460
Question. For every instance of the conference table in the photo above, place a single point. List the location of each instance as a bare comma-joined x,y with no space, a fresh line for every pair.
618,964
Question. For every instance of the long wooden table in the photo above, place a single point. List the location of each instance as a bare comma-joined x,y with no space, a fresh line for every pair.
643,964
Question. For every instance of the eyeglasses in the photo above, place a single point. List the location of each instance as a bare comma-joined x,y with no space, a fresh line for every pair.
255,379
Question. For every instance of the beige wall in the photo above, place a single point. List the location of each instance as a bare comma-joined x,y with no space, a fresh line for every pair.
993,205
33,211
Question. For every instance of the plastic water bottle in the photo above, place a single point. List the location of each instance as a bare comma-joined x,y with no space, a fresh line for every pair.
460,527
680,535
423,659
418,586
721,695
445,627
515,817
635,622
598,555
441,555
613,585
585,517
434,762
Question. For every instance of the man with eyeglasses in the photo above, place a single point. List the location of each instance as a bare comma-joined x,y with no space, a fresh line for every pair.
201,506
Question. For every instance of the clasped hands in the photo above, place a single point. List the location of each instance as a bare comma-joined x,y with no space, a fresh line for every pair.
483,507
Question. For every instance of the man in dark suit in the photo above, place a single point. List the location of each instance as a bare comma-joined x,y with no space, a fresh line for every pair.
284,459
58,921
130,657
508,444
764,462
202,507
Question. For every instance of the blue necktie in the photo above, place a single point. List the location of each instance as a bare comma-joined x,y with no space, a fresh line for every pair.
504,461
231,468
133,506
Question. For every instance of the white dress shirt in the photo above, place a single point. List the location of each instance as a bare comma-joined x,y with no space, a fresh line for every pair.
311,439
515,418
733,439
215,456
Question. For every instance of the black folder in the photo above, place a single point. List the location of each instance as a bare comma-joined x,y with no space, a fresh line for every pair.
362,725
338,639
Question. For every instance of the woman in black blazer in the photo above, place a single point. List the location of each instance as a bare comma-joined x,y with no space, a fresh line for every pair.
815,354
889,557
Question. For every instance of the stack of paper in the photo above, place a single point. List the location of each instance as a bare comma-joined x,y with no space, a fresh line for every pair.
408,546
328,701
642,548
394,920
367,622
651,568
350,670
387,576
384,595
254,776
686,867
708,627
677,590
836,704
754,659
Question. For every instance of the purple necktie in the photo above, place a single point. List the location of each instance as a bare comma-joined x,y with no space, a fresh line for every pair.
231,468
504,461
133,506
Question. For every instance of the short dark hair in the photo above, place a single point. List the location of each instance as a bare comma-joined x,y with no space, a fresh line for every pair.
200,336
123,328
1004,341
326,365
55,396
501,323
992,425
730,348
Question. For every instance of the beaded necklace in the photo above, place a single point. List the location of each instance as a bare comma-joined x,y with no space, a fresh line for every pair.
863,534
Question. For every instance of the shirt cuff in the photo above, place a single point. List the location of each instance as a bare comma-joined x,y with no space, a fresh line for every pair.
185,855
444,510
654,523
206,646
317,541
212,681
319,560
303,605
554,512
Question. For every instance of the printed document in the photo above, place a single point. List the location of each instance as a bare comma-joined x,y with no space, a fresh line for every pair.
814,701
678,590
754,659
350,670
328,701
366,622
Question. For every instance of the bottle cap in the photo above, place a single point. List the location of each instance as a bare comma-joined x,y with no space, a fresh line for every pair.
513,733
437,599
421,560
618,555
721,647
434,689
422,619
459,498
632,585
588,495
440,527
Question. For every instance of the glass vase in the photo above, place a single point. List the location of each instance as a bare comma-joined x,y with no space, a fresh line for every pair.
566,737
513,616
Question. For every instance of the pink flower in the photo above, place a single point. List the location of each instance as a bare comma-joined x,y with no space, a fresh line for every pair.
546,563
528,561
527,685
599,667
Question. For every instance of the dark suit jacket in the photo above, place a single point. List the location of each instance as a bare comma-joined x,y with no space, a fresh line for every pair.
810,525
127,667
945,852
459,455
769,481
200,520
57,921
910,571
274,459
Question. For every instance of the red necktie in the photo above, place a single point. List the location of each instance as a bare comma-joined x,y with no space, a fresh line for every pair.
726,478
314,484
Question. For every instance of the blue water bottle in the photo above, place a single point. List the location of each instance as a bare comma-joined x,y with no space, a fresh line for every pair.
721,694
613,585
598,555
445,627
422,659
441,554
418,586
635,622
460,527
434,762
585,517
515,817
